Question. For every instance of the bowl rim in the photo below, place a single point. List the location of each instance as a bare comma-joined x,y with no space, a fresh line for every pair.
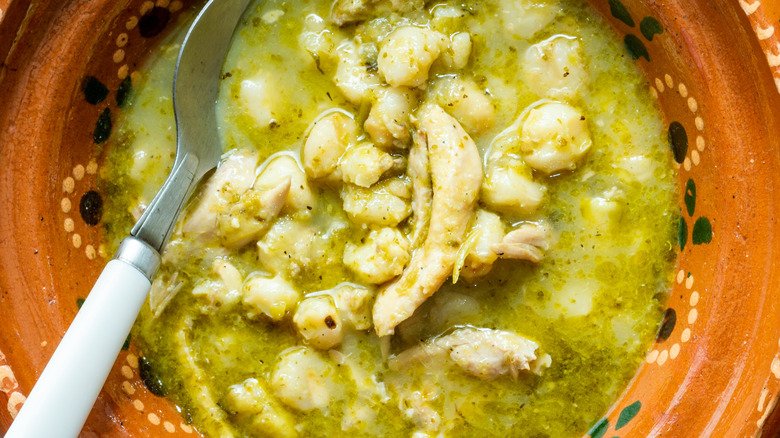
755,18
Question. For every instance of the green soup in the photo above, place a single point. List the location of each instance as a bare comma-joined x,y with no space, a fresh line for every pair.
261,320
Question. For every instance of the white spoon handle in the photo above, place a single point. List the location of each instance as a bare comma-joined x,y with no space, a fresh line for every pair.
66,391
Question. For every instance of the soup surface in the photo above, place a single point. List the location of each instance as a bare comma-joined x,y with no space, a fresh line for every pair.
441,219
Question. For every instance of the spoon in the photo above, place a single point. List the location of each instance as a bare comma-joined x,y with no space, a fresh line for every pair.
64,394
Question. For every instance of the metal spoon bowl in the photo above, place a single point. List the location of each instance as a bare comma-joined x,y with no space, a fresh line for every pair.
64,394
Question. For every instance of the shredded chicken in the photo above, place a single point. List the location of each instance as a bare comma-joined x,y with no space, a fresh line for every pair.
246,220
164,288
525,243
456,173
487,231
422,193
484,353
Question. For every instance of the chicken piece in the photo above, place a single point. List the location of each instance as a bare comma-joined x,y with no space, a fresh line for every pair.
328,139
303,380
489,230
354,304
388,121
251,403
456,171
462,99
509,187
555,66
406,55
163,290
384,204
272,297
277,169
247,219
318,321
349,11
555,137
381,258
525,243
363,165
456,54
484,353
422,193
526,18
352,75
231,180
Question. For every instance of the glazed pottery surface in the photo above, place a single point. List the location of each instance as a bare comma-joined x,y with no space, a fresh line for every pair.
713,65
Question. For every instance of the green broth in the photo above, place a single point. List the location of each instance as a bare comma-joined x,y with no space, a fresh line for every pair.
593,303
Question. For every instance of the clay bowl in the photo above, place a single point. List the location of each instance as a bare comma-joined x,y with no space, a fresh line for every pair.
714,66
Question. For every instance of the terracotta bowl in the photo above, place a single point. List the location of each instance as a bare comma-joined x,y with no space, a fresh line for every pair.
714,66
